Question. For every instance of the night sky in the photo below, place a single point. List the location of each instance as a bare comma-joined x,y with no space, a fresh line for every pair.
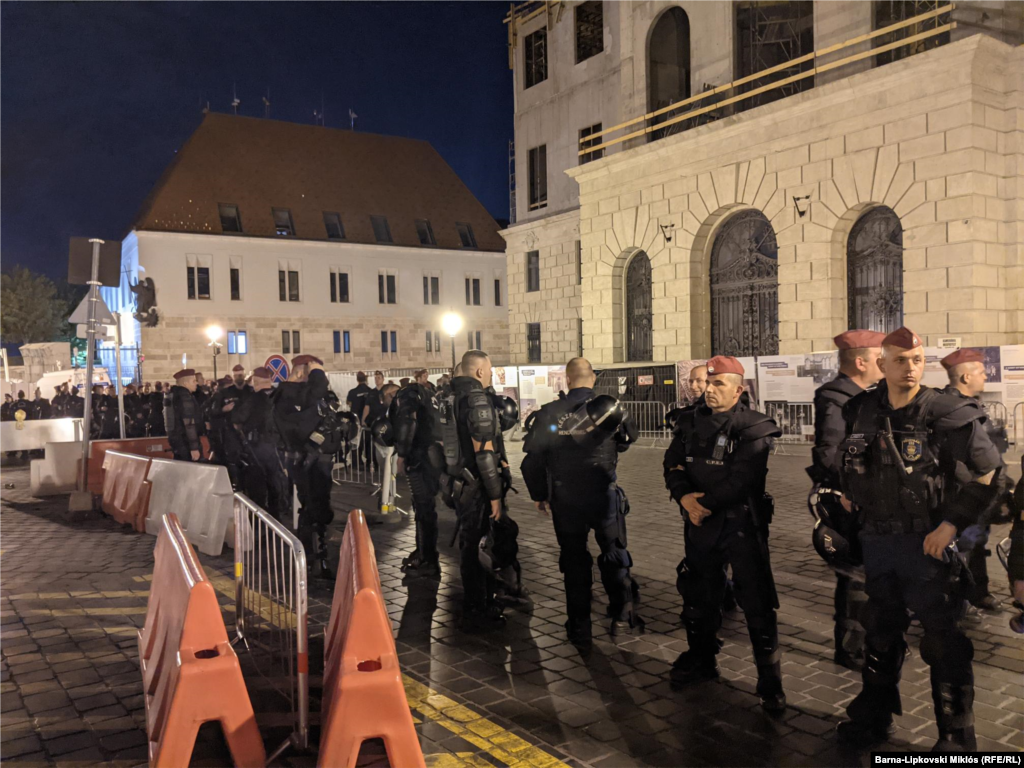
96,97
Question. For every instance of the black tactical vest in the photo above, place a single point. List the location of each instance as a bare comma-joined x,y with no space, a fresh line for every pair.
889,465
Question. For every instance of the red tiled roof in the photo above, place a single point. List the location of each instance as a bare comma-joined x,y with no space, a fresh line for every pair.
260,164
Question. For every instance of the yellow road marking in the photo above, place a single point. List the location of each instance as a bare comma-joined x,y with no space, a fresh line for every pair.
57,612
456,760
140,593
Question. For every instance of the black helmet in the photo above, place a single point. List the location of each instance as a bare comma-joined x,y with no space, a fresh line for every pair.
508,411
824,504
605,413
831,545
383,433
672,418
349,425
499,548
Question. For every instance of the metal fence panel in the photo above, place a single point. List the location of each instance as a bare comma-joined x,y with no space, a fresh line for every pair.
271,606
649,418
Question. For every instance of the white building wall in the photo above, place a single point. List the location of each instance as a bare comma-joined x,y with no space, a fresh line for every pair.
164,258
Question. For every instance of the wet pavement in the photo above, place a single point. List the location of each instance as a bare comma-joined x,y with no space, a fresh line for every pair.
74,595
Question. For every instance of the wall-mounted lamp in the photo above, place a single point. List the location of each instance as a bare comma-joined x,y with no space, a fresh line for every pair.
803,205
666,231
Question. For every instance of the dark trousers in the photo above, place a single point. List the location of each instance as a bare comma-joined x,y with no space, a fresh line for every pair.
850,601
181,451
423,480
901,578
702,585
265,482
573,523
977,560
311,474
478,586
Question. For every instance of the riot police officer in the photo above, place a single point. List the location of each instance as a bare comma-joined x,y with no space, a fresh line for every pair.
156,424
261,472
475,480
897,464
858,370
181,416
967,377
40,406
221,404
7,410
715,470
572,451
417,438
305,409
74,406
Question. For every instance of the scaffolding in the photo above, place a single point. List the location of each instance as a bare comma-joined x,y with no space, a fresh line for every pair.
520,13
889,12
771,34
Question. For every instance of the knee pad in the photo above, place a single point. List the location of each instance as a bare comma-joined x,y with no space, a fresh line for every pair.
682,574
615,558
883,626
934,650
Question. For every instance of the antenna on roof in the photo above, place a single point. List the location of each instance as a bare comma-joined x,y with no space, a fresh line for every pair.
266,103
236,101
203,108
318,117
352,119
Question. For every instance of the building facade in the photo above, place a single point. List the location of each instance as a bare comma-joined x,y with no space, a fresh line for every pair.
301,239
763,176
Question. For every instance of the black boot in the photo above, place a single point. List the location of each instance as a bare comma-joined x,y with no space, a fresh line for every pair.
305,535
693,666
764,638
482,619
860,734
954,713
872,710
322,555
578,630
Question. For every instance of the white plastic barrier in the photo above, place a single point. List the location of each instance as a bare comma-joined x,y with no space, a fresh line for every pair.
34,435
57,471
202,498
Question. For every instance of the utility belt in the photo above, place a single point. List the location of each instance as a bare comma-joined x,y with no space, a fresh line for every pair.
458,490
895,527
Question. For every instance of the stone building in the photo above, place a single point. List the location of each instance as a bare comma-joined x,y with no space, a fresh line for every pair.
298,238
753,178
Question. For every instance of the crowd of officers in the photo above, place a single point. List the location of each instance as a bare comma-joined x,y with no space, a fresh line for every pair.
907,479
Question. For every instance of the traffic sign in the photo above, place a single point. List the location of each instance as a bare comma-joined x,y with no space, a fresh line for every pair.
81,313
278,366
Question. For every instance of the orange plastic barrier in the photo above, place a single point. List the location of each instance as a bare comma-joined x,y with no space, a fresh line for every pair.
143,446
363,696
190,672
125,490
153,447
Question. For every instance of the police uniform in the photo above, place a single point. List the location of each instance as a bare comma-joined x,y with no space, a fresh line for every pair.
135,423
228,438
897,466
74,406
725,457
472,480
570,462
181,415
974,540
156,425
261,471
299,409
829,432
413,417
7,409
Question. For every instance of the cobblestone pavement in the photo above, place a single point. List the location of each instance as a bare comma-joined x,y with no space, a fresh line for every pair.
74,595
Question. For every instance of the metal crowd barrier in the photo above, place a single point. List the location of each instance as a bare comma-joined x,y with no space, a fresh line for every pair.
997,413
649,417
796,420
1018,421
271,606
351,464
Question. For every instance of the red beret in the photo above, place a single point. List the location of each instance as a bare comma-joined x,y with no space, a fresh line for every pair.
238,368
903,338
723,364
263,373
858,339
961,356
183,373
299,360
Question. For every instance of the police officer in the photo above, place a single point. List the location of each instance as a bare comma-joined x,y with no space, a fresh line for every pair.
1015,560
967,377
300,407
897,466
21,404
262,473
374,408
417,438
858,370
156,425
7,409
475,479
74,406
181,416
572,451
221,404
40,406
715,470
59,401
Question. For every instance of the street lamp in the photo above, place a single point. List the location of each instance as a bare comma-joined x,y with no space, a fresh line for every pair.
214,333
452,324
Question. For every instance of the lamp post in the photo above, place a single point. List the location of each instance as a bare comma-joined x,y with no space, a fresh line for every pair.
214,333
452,324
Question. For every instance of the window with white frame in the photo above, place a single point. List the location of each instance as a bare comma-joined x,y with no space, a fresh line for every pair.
387,287
288,281
497,291
283,222
389,342
238,343
432,288
198,278
473,339
342,343
339,286
472,291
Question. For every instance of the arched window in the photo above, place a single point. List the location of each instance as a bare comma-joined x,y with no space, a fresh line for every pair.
668,62
745,287
874,264
639,299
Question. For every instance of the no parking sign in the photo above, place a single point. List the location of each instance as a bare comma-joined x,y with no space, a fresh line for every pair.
278,366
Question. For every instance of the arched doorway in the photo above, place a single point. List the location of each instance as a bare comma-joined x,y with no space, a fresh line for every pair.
745,287
874,271
639,299
668,63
